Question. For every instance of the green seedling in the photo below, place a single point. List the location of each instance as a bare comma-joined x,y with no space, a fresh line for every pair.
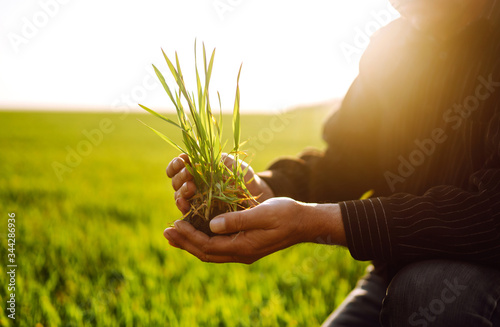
219,188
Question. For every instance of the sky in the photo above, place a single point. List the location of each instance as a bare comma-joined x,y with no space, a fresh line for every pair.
97,55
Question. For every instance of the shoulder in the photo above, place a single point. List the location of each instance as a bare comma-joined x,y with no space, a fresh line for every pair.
390,41
399,31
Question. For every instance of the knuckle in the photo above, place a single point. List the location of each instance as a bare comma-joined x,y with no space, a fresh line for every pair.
174,183
183,204
169,171
178,204
184,190
186,175
176,165
179,163
190,188
236,223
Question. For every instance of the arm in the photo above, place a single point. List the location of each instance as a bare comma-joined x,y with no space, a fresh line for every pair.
447,222
458,220
349,166
279,223
448,208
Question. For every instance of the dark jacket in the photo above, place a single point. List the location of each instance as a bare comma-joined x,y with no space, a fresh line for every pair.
420,126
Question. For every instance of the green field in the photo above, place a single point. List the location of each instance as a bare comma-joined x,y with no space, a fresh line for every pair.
91,200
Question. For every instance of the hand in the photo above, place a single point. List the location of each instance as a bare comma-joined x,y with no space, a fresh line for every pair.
269,227
183,184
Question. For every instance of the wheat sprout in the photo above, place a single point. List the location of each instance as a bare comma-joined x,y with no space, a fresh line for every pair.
218,186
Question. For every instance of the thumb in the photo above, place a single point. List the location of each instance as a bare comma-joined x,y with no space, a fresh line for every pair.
233,222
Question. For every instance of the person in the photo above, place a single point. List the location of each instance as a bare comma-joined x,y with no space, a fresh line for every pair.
420,125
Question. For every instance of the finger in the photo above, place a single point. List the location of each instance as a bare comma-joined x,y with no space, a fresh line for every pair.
229,161
244,247
231,248
177,164
180,178
166,234
185,236
186,191
233,222
174,245
183,205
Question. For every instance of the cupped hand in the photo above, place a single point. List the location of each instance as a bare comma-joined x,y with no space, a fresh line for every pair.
261,230
254,233
182,182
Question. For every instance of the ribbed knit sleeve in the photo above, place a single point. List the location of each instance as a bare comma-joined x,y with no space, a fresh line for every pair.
368,227
446,223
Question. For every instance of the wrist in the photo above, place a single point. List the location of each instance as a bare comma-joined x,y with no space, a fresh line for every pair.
323,224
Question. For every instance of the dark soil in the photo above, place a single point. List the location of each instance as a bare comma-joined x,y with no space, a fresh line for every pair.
201,224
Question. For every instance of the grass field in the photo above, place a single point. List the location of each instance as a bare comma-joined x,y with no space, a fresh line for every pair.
91,201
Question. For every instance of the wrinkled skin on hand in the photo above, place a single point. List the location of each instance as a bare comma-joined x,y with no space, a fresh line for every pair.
256,232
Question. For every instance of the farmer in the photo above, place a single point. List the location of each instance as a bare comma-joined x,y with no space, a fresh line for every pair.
420,126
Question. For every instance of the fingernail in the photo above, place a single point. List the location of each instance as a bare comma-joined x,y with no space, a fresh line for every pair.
218,225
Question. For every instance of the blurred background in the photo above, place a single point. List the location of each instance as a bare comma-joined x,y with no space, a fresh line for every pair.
85,179
62,55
